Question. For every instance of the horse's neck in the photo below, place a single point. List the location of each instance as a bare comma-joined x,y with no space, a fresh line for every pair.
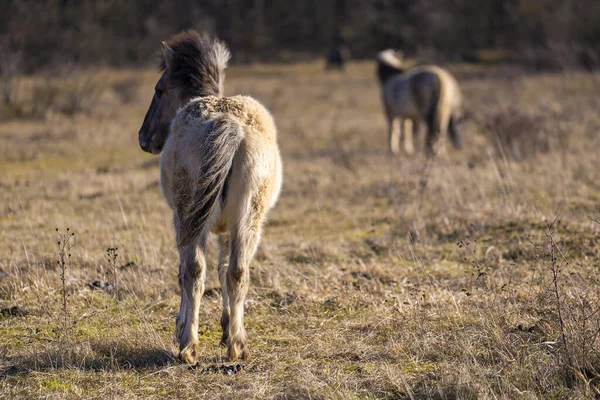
386,72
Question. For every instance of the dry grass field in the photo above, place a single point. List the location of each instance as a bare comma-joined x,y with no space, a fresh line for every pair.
473,277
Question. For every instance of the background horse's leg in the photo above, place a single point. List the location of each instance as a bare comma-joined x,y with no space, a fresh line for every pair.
192,274
417,134
244,241
454,134
432,139
437,127
394,134
408,135
224,251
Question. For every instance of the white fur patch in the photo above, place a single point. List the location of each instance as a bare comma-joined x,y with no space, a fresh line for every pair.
391,58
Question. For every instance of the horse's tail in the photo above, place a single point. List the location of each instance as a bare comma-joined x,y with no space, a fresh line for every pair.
440,108
222,139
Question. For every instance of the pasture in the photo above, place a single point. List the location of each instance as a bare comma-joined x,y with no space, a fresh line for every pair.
473,276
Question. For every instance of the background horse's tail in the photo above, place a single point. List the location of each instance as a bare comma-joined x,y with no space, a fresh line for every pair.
222,138
439,112
433,111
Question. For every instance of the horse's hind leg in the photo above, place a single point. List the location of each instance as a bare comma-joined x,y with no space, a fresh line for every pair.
416,134
454,134
431,140
244,241
435,132
223,266
408,133
192,274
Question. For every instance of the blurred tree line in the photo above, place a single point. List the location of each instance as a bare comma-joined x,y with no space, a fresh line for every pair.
539,33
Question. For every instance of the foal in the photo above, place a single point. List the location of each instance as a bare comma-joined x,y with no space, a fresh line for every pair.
220,171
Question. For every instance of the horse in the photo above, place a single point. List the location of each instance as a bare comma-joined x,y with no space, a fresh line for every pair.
411,96
220,172
337,58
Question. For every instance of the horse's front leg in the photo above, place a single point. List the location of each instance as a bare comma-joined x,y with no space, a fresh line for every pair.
394,133
192,274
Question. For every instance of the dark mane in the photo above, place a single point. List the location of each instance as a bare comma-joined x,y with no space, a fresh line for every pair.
196,65
384,71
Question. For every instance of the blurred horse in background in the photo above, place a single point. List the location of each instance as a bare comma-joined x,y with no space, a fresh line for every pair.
220,171
337,58
427,94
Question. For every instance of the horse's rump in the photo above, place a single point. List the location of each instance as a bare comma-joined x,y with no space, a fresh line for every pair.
212,158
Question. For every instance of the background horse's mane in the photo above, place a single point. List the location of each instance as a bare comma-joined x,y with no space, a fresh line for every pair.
389,63
196,64
393,58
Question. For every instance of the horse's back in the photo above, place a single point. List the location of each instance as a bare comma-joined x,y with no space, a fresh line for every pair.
238,112
406,94
411,94
248,112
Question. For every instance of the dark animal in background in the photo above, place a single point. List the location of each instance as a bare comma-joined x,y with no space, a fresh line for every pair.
337,58
424,93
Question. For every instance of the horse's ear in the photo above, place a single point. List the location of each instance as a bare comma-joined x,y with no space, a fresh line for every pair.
167,53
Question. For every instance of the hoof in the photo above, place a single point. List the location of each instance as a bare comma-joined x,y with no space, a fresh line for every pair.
237,350
189,353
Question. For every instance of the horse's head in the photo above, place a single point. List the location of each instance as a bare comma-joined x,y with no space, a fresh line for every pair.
165,103
193,65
